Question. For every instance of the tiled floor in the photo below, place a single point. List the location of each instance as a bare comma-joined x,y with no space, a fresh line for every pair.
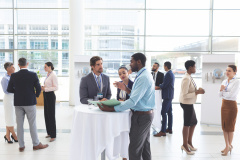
208,139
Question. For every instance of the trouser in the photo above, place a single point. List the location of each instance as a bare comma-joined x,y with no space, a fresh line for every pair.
30,111
139,147
166,110
49,113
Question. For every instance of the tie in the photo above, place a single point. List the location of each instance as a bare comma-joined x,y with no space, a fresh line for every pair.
98,80
154,76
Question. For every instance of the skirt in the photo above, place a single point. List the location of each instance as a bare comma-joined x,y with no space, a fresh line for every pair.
9,110
189,115
228,115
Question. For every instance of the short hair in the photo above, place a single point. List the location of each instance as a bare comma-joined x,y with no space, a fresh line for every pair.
141,57
168,65
22,61
157,64
7,64
189,63
49,64
122,67
233,67
93,60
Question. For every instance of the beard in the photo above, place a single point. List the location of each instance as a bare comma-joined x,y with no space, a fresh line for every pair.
154,70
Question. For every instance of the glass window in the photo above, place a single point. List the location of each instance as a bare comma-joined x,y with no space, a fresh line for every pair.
6,21
175,22
45,21
226,44
178,4
177,43
229,4
4,57
6,4
226,23
114,3
114,22
42,3
5,41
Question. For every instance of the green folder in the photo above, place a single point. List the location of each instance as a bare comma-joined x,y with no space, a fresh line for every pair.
110,103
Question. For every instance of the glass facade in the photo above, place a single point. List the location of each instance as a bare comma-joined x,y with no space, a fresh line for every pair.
173,30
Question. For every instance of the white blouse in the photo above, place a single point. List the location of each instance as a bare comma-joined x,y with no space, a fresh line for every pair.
231,90
51,82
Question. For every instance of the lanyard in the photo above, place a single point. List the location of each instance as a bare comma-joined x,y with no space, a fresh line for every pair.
99,85
228,83
193,83
139,75
47,77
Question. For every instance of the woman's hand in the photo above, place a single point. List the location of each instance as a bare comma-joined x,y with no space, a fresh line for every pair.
121,100
120,85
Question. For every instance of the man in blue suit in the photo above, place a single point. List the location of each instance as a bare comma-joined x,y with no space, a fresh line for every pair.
167,95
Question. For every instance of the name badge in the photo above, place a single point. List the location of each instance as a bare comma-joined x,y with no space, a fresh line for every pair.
100,95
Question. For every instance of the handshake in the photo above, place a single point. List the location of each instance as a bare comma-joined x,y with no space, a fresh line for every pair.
200,91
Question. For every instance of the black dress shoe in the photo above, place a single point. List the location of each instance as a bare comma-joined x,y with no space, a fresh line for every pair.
168,131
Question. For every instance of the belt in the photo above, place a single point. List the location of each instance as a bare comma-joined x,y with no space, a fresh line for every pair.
142,112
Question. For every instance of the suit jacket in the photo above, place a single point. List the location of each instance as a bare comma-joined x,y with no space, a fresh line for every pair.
159,79
168,85
89,88
23,84
130,84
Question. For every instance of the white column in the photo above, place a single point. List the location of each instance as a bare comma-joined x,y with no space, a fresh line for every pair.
76,43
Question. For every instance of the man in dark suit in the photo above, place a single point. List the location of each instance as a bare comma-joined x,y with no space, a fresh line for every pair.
23,84
157,76
95,84
167,95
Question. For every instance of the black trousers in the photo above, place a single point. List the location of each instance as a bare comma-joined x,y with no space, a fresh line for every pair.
139,147
49,113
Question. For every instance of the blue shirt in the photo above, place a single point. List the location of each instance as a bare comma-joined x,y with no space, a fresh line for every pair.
4,83
142,96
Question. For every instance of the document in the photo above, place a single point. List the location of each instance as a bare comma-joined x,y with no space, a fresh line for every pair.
110,103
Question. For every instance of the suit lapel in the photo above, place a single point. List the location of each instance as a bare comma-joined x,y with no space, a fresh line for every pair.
93,81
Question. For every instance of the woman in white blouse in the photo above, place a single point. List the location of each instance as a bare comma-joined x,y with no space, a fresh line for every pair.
228,92
50,85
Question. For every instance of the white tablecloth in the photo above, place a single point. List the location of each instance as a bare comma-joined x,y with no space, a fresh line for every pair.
94,131
157,125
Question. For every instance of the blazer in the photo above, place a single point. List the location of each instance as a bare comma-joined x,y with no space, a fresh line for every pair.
187,94
89,89
23,84
130,84
159,79
168,85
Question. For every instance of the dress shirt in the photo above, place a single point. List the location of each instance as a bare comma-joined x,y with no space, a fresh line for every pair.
123,95
4,82
142,96
51,83
95,77
232,90
188,89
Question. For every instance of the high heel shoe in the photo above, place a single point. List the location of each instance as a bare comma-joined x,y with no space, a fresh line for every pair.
15,140
224,149
192,148
7,140
189,153
229,150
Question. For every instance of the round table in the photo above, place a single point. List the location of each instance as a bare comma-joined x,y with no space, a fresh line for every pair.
94,131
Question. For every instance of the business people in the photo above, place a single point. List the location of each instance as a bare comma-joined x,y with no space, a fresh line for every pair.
228,92
167,95
188,97
9,109
22,84
141,103
123,74
157,76
95,84
50,85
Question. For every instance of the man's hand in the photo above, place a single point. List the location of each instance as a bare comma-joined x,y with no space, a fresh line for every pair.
104,99
43,88
222,87
157,88
106,108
